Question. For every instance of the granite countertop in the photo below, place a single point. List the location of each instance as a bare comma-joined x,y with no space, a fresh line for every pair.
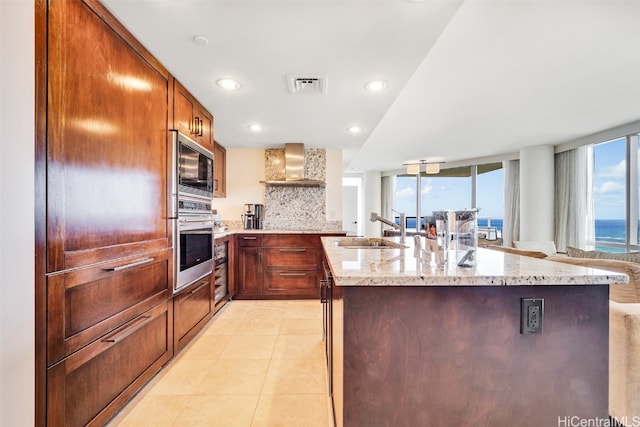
353,266
230,231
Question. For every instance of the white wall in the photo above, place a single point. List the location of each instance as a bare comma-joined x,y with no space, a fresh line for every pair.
17,335
245,170
372,203
334,185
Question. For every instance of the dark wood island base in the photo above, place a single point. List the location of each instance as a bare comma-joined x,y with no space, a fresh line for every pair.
454,356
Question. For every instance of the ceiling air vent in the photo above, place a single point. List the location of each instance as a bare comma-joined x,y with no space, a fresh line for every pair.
307,83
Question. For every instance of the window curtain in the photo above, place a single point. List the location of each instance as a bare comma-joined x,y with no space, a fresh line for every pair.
511,225
388,187
574,221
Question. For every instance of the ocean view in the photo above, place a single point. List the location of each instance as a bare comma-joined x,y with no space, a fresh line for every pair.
607,230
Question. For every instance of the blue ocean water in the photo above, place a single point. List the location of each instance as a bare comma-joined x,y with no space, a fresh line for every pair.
607,230
611,230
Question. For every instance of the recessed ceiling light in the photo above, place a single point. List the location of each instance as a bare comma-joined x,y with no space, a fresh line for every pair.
354,129
375,85
255,127
228,84
201,40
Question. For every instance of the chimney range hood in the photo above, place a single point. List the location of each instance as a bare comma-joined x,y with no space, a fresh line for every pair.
294,168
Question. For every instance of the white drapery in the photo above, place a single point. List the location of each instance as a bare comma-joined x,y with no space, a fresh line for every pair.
388,189
574,219
511,223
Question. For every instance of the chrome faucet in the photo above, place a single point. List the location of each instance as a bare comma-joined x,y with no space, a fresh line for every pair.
402,227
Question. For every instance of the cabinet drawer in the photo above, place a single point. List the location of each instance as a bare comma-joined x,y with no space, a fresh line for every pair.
90,385
293,240
294,283
190,308
85,304
292,258
250,239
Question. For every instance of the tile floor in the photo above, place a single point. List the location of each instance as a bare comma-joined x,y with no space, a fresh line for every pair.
255,364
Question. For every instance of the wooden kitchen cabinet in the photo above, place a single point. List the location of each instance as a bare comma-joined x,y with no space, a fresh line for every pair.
190,118
88,386
279,266
106,140
104,257
249,264
220,170
85,304
192,309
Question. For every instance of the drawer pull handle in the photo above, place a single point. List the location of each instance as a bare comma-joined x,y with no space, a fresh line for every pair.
293,250
128,330
249,237
205,283
130,265
293,274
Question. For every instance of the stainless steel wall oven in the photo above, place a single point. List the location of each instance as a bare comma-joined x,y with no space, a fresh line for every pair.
192,214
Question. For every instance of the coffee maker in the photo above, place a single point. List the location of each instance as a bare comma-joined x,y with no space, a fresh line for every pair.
252,217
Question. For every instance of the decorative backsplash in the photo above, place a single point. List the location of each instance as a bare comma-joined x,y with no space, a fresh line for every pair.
297,207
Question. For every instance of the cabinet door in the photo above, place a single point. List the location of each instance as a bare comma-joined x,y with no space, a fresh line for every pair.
204,130
220,170
292,258
183,110
107,136
191,309
87,303
298,283
89,386
250,270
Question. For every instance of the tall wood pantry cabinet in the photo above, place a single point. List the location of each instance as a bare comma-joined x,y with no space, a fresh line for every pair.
103,246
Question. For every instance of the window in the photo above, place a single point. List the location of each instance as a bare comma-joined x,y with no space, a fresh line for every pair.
453,189
615,194
490,201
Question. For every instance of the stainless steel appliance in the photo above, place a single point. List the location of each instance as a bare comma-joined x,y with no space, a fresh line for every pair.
192,171
194,242
252,217
190,206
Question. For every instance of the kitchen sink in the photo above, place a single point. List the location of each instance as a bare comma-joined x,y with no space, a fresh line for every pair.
368,243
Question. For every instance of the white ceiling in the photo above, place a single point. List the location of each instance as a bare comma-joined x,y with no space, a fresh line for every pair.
467,79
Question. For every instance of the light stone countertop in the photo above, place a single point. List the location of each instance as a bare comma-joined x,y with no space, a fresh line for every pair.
399,267
230,231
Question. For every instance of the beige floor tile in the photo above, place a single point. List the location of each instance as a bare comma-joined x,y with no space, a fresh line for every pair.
221,325
183,377
206,347
304,308
250,309
235,376
295,376
301,326
249,347
218,411
155,411
255,360
259,326
288,411
298,346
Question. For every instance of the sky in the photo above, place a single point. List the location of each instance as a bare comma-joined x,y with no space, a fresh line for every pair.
609,180
452,193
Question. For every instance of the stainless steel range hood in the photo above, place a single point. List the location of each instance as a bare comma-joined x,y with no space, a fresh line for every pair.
294,168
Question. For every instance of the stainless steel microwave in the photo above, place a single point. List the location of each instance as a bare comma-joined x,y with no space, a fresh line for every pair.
193,168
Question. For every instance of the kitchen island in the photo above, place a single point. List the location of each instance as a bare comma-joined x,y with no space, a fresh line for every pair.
411,344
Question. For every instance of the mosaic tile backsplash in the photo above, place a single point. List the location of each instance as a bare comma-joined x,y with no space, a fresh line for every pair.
290,207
